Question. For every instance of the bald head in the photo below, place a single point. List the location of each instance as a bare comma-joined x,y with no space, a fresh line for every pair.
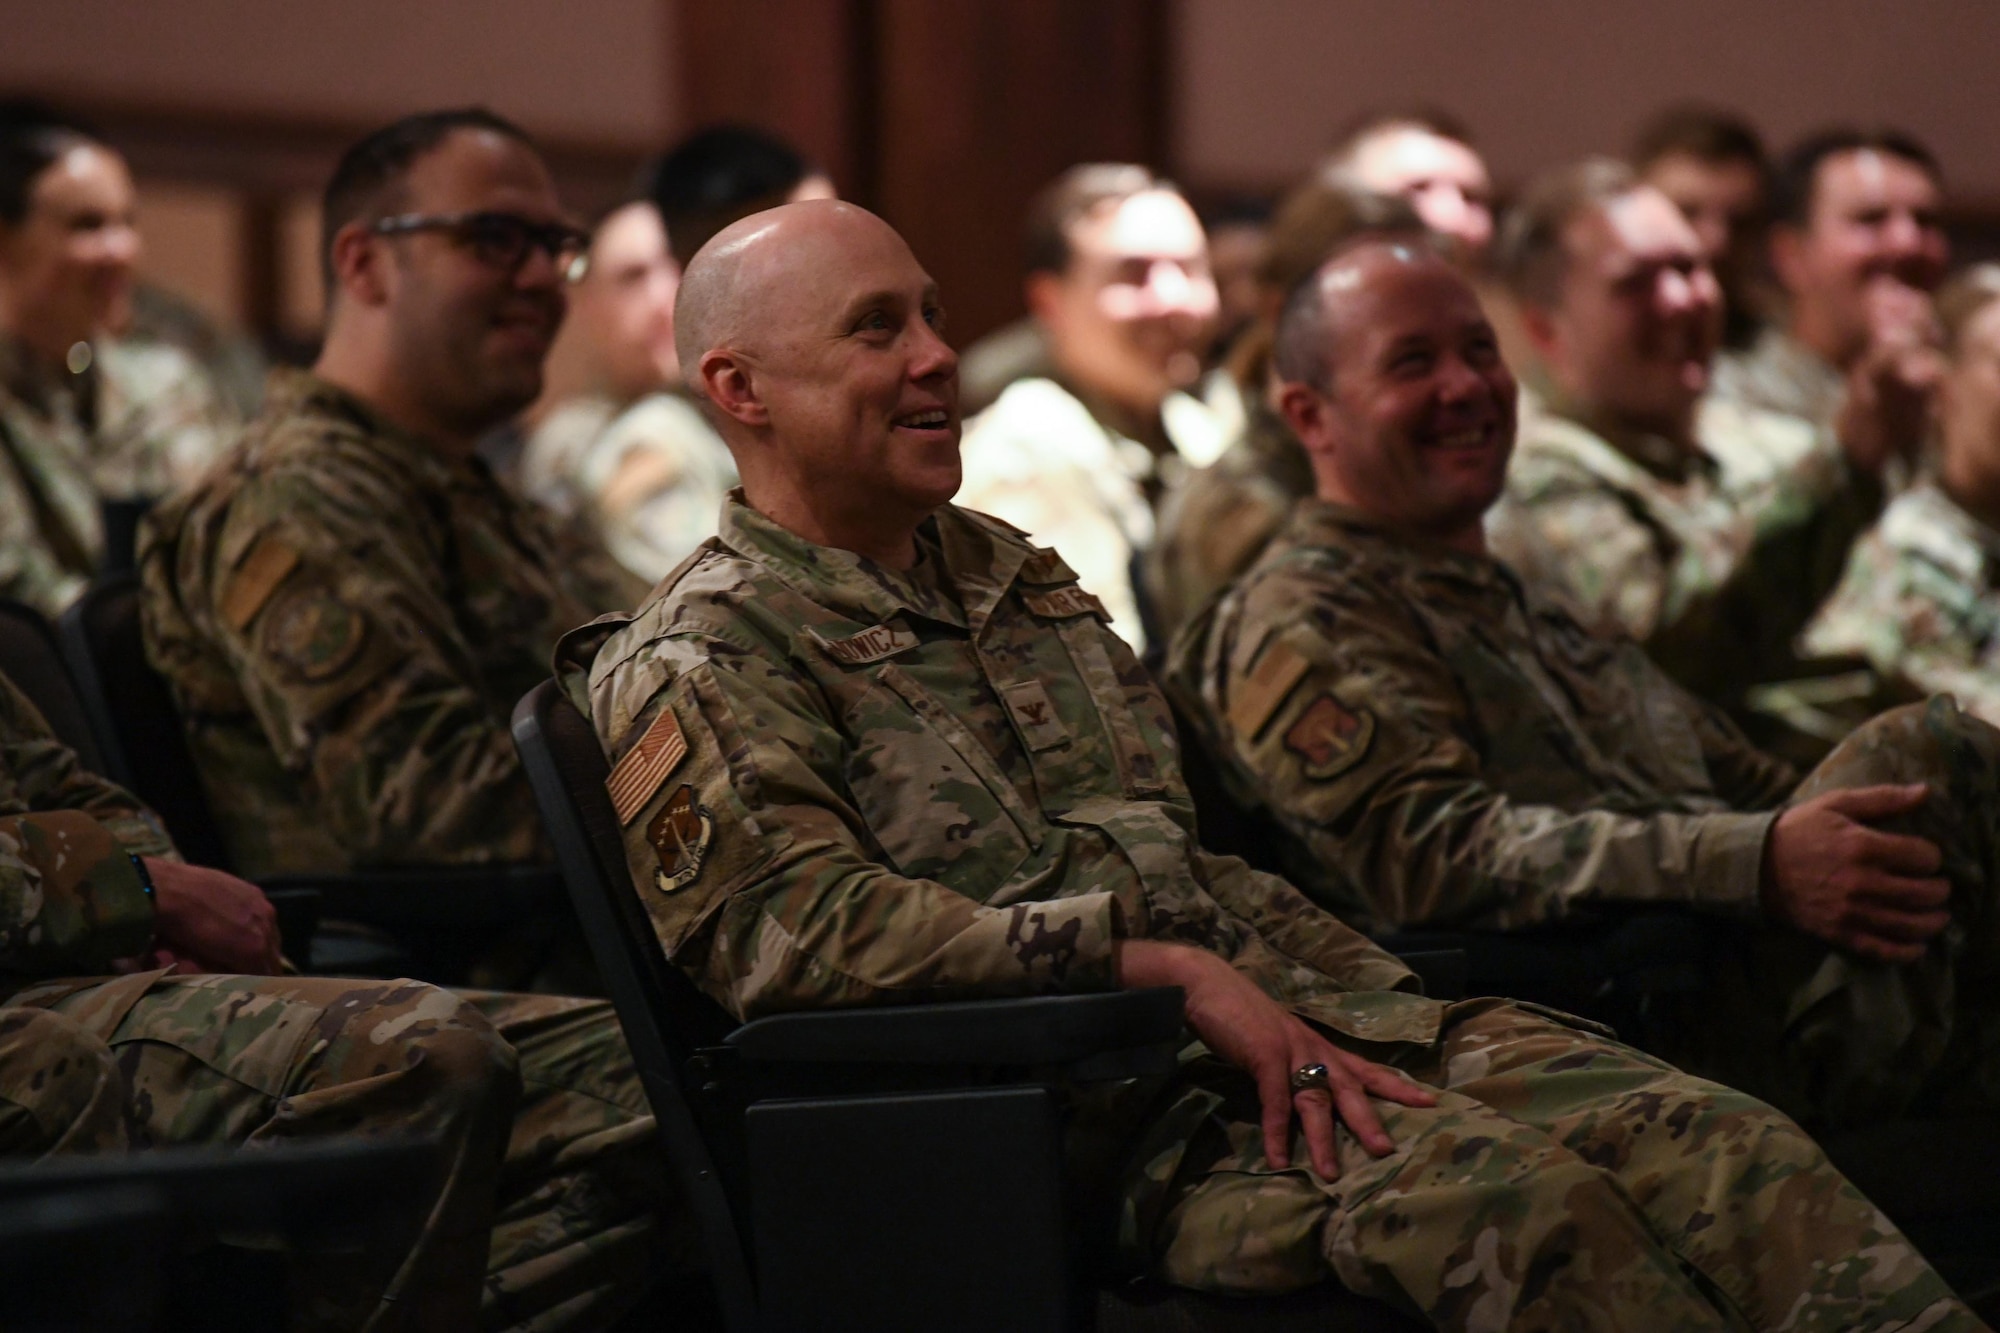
814,336
740,288
1319,308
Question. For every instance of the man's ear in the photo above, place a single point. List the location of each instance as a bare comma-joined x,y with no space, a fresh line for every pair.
1044,296
358,265
1538,321
1787,249
727,382
1306,410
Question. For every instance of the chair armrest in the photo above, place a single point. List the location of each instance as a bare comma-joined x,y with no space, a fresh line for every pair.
1039,1030
445,897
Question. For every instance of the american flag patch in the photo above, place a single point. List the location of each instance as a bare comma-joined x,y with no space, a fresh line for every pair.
646,765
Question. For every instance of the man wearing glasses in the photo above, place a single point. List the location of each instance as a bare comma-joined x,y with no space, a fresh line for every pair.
348,607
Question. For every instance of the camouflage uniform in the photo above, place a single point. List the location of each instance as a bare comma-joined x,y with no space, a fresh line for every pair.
846,785
1067,473
1442,749
648,482
1216,519
1922,600
138,423
1713,557
90,1062
347,618
1778,373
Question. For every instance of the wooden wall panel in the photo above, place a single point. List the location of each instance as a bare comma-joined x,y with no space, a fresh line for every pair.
982,102
797,68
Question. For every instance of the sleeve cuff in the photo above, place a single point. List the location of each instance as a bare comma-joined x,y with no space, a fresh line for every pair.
1727,869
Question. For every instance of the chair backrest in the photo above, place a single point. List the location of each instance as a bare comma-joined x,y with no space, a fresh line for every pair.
132,714
665,1017
31,659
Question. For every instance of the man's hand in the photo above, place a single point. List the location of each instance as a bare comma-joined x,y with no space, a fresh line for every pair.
1889,388
1253,1032
1871,893
208,921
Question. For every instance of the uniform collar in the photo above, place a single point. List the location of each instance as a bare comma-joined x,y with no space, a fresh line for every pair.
1660,455
979,564
1322,523
292,395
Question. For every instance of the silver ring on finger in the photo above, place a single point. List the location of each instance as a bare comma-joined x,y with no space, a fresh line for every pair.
1311,1076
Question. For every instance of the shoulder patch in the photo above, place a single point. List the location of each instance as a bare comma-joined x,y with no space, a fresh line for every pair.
1329,738
680,836
1265,686
646,765
312,631
1064,603
870,645
255,579
1045,566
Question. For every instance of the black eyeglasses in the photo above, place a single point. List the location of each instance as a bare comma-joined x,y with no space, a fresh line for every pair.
501,240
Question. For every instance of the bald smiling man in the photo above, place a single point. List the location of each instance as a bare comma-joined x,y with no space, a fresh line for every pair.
870,748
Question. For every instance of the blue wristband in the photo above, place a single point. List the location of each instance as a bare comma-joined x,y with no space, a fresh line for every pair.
145,875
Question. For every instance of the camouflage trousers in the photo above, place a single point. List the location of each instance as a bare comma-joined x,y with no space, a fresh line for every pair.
1561,1182
1838,1041
547,1211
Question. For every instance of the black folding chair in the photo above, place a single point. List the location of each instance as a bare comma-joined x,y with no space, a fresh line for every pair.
97,1244
440,918
876,1168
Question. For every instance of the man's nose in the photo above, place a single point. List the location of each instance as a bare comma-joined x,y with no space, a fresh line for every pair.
1681,291
934,356
119,243
1904,233
538,269
1172,290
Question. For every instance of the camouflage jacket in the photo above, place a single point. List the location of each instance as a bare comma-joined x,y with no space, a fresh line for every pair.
138,423
1921,600
1441,748
841,785
70,899
347,618
652,483
1216,519
1778,373
1046,461
1713,557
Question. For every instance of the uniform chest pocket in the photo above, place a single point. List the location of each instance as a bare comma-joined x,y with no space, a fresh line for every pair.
932,795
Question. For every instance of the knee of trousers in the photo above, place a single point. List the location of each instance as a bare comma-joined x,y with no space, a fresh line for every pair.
1493,1211
58,1081
436,1057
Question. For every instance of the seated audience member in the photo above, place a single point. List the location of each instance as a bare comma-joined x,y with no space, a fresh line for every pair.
1921,598
1239,236
873,748
628,457
1426,157
1711,163
726,172
1119,281
1439,746
349,606
548,1213
86,416
1217,518
1704,528
1857,244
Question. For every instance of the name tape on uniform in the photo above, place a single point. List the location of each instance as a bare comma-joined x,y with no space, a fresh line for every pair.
1062,603
646,765
870,645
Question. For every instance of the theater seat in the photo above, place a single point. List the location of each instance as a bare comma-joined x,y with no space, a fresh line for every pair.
876,1169
429,922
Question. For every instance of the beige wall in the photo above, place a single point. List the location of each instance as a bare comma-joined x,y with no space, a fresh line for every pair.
584,69
1262,85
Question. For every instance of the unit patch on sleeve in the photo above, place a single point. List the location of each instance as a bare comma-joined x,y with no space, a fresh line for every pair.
646,765
1329,738
680,835
313,632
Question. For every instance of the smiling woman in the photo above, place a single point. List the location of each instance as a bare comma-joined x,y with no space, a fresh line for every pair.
86,417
